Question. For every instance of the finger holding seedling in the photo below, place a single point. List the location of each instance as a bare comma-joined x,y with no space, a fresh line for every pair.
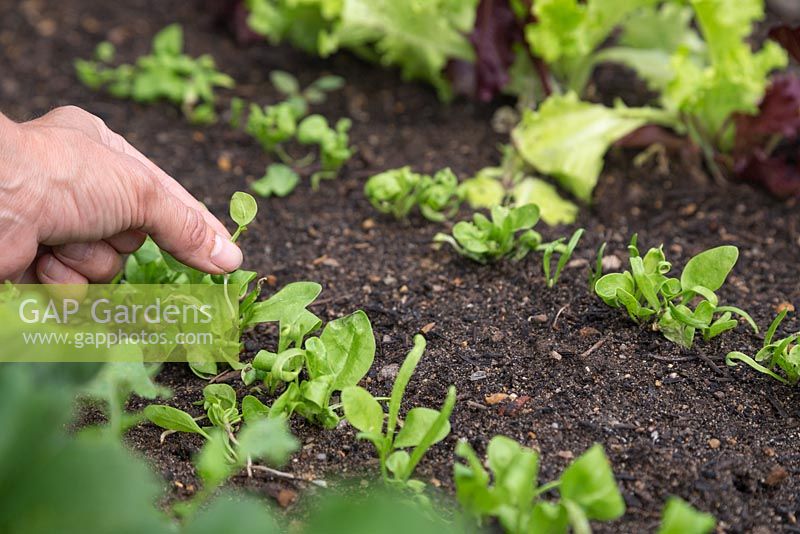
75,196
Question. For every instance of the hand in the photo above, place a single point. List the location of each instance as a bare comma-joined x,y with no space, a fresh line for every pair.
74,196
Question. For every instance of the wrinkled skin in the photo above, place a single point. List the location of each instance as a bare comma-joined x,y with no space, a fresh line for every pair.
74,196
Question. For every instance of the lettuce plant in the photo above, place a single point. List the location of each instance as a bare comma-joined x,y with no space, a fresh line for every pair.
166,73
650,296
704,80
775,356
419,37
397,191
421,429
587,489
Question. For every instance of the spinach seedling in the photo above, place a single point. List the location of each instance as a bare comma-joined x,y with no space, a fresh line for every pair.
312,369
151,265
587,489
782,355
233,442
422,428
508,234
597,271
397,191
166,73
243,210
649,295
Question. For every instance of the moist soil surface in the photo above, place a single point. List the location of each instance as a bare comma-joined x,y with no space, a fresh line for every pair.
673,422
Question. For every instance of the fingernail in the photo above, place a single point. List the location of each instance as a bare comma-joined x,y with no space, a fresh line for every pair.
225,254
55,270
76,251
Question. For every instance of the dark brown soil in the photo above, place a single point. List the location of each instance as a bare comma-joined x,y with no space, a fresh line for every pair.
581,372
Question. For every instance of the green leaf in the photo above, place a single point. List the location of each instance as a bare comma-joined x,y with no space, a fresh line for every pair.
679,517
247,513
288,307
431,437
567,138
328,83
710,268
220,393
483,191
553,208
253,409
608,285
243,208
362,410
278,180
313,130
589,482
420,39
417,423
268,440
515,469
284,82
397,463
171,418
401,381
212,462
350,348
169,41
548,518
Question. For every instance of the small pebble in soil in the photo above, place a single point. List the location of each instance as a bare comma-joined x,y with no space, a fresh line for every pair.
388,372
611,263
776,476
539,318
714,443
322,457
477,375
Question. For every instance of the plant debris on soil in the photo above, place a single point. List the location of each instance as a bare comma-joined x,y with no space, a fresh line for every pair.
555,369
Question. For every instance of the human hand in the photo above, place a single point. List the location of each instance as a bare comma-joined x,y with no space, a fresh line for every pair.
74,195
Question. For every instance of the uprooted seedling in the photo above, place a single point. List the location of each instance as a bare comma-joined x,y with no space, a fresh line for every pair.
775,356
166,73
587,489
421,428
650,296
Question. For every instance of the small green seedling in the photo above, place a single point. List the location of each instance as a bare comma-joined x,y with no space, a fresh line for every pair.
279,180
597,271
233,442
782,355
333,143
310,369
243,210
397,191
422,428
288,120
151,265
587,489
649,295
565,252
679,517
508,234
167,73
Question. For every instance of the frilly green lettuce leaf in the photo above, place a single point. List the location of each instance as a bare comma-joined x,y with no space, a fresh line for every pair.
567,138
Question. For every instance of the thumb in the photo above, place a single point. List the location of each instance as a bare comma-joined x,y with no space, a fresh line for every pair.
183,231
